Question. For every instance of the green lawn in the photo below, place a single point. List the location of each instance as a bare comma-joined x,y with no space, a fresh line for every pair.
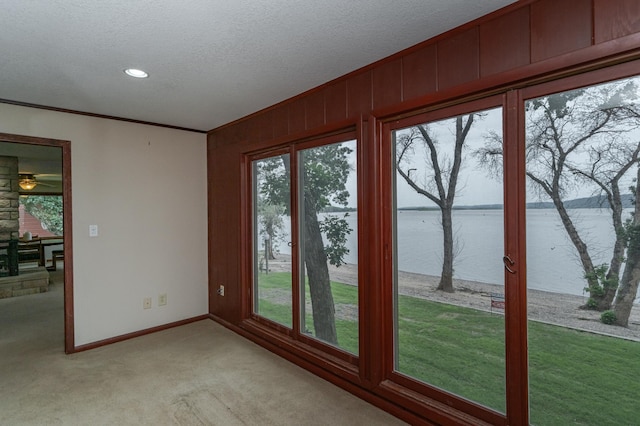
342,294
575,377
279,283
457,349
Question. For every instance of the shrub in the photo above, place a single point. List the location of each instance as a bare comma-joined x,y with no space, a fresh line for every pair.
592,303
608,317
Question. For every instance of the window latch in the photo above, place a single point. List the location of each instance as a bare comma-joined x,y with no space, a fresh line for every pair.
508,263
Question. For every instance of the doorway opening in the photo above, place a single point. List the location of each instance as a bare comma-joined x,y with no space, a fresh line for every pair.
48,163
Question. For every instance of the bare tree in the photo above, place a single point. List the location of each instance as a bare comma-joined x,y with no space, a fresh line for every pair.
440,184
551,142
576,138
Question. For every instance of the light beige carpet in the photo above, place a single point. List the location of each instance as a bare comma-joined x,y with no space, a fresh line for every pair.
198,374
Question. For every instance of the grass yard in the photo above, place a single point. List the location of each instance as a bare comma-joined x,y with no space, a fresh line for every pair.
457,349
280,283
576,378
582,378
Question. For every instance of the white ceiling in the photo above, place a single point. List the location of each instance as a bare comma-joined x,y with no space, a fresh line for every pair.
45,162
210,61
36,159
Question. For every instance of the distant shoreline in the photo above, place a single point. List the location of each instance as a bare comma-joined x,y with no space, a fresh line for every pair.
595,202
529,206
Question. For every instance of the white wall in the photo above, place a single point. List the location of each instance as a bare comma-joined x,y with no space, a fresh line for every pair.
145,187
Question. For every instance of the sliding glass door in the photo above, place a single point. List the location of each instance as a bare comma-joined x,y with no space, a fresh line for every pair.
583,254
448,233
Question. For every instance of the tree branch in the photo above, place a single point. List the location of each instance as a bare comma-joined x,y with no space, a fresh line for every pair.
434,161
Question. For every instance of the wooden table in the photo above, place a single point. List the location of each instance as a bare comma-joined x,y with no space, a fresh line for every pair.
27,249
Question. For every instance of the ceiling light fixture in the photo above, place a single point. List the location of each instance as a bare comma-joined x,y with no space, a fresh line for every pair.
132,72
27,182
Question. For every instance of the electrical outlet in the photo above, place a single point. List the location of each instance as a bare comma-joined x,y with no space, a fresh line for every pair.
221,290
162,299
146,303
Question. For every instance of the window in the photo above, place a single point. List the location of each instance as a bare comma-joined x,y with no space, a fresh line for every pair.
41,215
448,235
328,244
305,264
272,280
582,150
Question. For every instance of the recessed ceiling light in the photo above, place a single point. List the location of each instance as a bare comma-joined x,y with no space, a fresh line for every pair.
136,73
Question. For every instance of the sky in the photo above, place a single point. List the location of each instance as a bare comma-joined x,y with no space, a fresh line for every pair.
475,185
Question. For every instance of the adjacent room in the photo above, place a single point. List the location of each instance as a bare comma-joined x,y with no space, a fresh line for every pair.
331,212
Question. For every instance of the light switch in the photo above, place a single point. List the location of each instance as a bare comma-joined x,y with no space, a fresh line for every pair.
93,230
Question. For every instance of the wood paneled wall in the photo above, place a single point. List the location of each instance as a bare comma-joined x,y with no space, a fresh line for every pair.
529,41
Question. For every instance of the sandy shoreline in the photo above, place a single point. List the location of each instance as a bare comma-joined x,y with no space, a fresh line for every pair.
553,308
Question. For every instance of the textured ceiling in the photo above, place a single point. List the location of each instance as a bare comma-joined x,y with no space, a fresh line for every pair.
210,61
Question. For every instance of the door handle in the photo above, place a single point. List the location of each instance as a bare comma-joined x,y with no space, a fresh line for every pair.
508,263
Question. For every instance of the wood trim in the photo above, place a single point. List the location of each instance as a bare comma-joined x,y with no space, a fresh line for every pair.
90,114
69,323
246,238
305,348
516,356
437,411
594,77
366,219
294,232
139,333
39,193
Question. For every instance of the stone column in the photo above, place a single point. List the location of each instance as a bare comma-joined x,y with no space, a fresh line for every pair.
9,207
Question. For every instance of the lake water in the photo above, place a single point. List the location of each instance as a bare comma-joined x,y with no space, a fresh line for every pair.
552,261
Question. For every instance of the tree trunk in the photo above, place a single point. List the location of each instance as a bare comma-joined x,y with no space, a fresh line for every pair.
629,284
270,249
270,234
583,253
318,274
446,279
609,291
613,275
